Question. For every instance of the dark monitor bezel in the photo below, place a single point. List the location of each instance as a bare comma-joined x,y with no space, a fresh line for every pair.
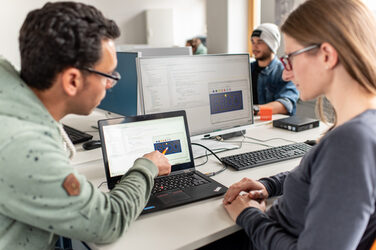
111,181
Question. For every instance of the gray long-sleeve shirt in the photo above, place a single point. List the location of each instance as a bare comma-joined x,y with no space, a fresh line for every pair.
329,200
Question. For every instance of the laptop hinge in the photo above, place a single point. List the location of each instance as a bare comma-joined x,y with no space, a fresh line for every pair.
184,171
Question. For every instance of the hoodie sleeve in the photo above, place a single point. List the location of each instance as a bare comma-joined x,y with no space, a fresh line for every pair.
35,183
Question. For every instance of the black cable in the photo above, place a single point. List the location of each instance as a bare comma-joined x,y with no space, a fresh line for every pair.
215,155
101,184
198,144
206,155
219,150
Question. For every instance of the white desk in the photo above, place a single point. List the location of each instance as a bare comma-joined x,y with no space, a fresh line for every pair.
196,224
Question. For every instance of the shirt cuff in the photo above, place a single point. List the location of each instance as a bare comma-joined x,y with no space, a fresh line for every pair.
287,103
246,217
147,164
268,186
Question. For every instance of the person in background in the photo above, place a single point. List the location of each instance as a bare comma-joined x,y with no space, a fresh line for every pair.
198,47
68,60
329,200
189,43
268,87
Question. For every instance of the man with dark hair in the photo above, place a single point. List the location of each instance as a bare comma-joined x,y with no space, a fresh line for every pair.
268,87
68,60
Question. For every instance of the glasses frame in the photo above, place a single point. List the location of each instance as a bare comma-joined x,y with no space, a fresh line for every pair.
115,77
286,59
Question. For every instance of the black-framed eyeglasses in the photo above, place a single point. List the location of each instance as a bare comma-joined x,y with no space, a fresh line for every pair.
113,78
286,59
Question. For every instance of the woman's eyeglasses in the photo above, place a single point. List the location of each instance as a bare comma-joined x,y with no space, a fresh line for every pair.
286,59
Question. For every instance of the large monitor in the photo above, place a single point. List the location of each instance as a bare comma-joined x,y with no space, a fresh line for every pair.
122,98
214,90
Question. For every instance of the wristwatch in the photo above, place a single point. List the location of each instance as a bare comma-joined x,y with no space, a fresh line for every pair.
256,110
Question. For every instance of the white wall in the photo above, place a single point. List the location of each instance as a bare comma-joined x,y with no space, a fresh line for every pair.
238,26
268,15
227,22
189,17
270,10
267,11
189,20
217,26
371,4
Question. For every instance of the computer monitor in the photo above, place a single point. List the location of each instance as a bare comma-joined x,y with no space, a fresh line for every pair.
214,90
122,98
164,51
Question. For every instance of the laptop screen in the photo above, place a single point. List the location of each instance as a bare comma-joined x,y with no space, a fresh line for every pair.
128,138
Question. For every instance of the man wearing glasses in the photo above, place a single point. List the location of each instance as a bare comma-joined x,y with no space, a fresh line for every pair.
68,60
268,87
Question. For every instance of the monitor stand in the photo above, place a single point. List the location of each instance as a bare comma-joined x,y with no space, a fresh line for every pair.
109,114
230,135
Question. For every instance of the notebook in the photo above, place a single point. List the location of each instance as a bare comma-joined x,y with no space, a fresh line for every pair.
125,139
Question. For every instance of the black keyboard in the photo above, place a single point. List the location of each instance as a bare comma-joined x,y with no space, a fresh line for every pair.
77,136
266,156
178,181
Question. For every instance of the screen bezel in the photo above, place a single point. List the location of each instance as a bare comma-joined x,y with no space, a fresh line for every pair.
111,181
213,131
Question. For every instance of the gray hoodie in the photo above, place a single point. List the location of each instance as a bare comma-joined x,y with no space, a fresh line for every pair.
35,203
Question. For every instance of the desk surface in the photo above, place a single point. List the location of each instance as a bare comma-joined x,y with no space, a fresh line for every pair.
196,224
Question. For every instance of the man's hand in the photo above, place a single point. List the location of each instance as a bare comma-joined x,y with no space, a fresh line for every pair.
164,167
242,202
246,185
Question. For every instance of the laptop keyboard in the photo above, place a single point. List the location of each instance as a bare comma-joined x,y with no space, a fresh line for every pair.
178,181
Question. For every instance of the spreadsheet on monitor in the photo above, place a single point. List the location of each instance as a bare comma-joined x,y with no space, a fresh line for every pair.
215,90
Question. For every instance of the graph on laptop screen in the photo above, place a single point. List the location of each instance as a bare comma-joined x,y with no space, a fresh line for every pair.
214,90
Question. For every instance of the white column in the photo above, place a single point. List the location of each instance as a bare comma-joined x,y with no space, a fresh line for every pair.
227,22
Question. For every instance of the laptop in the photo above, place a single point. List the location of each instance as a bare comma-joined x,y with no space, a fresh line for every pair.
125,139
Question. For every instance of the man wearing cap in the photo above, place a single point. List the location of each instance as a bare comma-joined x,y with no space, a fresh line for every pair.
268,87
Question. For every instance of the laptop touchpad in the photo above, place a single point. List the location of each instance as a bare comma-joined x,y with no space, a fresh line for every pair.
174,196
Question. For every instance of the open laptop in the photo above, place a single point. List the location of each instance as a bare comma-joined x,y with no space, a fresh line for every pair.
125,139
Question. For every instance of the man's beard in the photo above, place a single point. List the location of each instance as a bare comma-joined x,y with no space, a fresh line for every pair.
264,56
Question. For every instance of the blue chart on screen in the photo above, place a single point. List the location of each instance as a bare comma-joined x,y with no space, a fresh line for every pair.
226,101
173,147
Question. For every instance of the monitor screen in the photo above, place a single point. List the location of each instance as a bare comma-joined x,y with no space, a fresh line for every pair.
122,98
214,90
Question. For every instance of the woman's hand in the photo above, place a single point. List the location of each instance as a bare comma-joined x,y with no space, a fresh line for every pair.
242,202
258,190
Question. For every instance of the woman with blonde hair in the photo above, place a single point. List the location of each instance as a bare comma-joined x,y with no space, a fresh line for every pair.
329,200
